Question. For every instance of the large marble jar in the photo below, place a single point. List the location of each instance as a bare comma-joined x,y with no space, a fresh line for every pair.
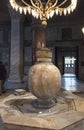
44,79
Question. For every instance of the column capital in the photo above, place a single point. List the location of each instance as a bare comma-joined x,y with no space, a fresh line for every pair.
15,14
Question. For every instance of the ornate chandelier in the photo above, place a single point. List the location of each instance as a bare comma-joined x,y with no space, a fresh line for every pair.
44,9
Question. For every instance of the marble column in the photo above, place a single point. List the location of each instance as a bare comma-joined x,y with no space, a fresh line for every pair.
39,37
16,52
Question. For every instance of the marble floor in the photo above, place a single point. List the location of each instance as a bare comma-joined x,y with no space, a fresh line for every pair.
71,83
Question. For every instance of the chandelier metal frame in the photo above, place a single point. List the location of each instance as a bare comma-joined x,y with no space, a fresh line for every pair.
40,9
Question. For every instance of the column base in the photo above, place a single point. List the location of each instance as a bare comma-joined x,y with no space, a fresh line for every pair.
8,85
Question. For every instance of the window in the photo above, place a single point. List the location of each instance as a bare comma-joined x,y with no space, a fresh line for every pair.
66,33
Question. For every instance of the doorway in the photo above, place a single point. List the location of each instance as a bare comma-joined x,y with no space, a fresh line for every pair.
66,59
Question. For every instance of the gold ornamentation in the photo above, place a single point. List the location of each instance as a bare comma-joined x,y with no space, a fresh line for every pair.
44,9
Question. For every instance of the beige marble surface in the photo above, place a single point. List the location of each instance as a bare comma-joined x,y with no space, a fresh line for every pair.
68,120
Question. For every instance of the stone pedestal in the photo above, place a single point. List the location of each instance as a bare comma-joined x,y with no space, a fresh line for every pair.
66,121
39,37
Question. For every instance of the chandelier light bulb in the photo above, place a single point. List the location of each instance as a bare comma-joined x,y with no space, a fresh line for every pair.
29,10
25,11
44,10
20,10
16,8
83,30
56,11
68,10
51,13
65,11
60,12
